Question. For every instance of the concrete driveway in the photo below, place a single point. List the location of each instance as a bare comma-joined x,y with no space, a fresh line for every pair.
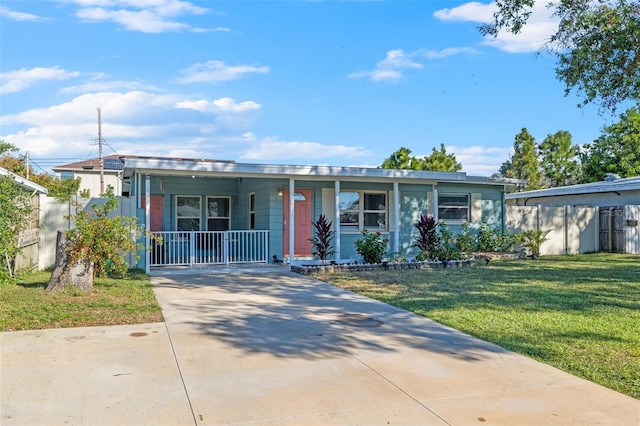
272,347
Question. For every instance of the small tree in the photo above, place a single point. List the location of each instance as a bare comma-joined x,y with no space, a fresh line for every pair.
15,211
321,241
559,159
524,163
440,161
99,241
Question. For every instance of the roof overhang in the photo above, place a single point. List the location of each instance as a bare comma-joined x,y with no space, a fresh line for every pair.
197,168
24,183
618,185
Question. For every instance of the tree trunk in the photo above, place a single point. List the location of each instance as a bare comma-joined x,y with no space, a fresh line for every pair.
79,274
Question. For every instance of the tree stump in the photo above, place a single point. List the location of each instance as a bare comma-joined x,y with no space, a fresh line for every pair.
78,275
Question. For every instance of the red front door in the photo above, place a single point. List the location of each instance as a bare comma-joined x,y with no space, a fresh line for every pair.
302,222
156,212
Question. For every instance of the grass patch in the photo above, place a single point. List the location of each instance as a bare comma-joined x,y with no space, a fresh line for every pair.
578,313
26,306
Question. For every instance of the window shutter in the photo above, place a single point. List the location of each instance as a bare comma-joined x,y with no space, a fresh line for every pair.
430,206
329,205
476,207
391,210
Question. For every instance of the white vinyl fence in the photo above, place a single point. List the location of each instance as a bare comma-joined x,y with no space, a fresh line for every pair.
575,229
54,217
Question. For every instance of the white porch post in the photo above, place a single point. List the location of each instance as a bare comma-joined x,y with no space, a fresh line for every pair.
147,223
292,223
336,220
396,214
435,202
503,208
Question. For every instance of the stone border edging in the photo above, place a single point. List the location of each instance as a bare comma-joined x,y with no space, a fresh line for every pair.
346,267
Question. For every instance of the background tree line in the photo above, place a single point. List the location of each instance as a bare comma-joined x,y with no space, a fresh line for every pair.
556,161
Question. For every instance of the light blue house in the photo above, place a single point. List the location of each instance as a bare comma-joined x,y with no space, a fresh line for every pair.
217,212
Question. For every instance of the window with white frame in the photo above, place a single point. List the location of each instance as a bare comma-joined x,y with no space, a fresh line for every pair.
361,210
453,207
188,213
252,210
218,214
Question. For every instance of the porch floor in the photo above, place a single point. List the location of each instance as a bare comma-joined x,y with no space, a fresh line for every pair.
158,271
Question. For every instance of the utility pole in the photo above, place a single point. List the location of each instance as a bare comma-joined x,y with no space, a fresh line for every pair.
26,163
100,151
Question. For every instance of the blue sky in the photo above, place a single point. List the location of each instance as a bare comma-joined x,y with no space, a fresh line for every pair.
281,82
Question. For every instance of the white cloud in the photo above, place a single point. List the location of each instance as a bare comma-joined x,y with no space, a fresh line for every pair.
147,16
19,16
134,122
445,53
17,80
100,83
538,30
217,71
473,11
271,149
221,105
480,160
391,68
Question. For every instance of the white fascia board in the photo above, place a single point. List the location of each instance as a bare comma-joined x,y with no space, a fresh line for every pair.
329,173
26,184
629,184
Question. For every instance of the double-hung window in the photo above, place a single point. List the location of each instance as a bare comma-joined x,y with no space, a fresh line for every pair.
453,207
188,213
218,214
361,210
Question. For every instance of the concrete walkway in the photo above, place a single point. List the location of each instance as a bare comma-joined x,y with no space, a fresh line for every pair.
269,347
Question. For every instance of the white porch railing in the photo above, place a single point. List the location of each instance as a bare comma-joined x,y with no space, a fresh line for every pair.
209,247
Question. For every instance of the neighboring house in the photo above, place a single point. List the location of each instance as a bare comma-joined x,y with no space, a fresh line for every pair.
210,211
29,238
89,173
613,191
597,216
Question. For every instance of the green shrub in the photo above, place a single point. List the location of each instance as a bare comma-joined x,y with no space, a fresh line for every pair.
491,239
372,246
463,242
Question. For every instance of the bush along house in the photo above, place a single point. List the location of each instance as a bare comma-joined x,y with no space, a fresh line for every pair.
221,212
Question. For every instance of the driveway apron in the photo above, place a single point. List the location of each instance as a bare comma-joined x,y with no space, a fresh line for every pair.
274,347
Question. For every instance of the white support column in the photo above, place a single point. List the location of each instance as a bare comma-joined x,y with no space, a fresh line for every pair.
292,222
138,189
435,202
147,223
503,209
336,220
396,215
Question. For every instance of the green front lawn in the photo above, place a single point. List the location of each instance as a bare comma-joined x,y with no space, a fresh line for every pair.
578,313
26,306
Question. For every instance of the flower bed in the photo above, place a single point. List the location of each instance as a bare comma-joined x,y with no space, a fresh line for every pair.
346,267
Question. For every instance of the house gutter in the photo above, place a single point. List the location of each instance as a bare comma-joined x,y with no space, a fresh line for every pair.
22,182
329,173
